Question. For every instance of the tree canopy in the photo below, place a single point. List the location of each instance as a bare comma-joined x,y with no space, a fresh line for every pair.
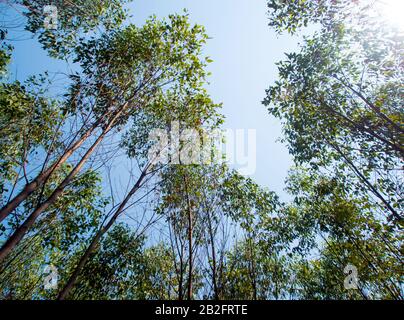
175,230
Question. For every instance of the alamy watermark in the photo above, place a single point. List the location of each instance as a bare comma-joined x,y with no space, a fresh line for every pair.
189,146
51,277
351,280
51,17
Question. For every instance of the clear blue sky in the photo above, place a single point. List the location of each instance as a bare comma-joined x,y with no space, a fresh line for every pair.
244,50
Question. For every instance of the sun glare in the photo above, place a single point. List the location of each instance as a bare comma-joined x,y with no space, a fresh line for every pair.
392,11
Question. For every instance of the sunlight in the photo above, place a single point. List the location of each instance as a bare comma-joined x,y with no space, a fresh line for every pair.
392,11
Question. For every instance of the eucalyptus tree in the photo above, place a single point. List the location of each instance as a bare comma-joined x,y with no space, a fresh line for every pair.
181,198
61,25
114,270
30,123
340,99
122,72
74,19
209,209
267,278
55,240
191,203
185,102
158,276
326,218
254,210
340,102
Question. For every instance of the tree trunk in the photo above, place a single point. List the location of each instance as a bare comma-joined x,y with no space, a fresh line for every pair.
190,260
43,176
28,223
84,258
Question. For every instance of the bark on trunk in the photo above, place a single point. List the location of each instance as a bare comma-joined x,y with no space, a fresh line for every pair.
28,223
43,176
63,294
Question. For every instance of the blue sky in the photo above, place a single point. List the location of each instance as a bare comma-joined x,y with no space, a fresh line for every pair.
244,50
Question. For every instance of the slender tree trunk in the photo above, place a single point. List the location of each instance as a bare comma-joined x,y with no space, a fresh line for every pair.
373,107
251,266
179,248
28,223
214,276
190,256
396,295
90,249
368,184
363,128
340,263
181,280
44,175
190,236
214,262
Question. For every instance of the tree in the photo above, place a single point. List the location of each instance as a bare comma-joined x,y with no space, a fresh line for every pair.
326,218
340,105
156,56
205,205
339,102
29,122
114,269
158,280
62,24
55,239
252,273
